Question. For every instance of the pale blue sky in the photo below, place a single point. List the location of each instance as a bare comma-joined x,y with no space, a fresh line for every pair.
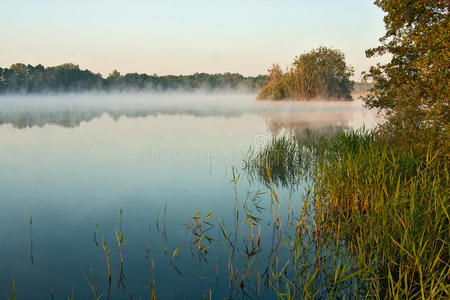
184,37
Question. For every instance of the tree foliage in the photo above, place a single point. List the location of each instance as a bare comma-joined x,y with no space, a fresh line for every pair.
320,73
412,89
21,78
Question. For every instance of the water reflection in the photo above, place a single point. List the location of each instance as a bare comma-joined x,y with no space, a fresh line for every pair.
162,162
71,111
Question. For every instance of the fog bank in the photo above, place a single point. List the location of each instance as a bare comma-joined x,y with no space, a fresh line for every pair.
72,109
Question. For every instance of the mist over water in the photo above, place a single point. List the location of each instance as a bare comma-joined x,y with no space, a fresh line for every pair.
73,162
71,110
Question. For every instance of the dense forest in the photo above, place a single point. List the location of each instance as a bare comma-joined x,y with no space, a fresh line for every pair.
21,78
320,73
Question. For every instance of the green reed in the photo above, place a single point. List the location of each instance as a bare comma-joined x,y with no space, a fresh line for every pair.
13,292
200,227
92,285
31,239
120,236
107,253
385,209
72,297
152,284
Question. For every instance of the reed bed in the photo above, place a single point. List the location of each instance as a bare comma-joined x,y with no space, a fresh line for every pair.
386,208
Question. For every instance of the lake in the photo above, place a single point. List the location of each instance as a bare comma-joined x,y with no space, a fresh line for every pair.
76,168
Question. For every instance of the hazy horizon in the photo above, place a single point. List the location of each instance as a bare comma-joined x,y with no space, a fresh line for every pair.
180,38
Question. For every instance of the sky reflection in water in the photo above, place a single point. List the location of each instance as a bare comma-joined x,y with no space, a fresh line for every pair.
73,162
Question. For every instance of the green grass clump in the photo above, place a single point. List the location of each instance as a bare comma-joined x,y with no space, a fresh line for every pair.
280,162
386,206
390,206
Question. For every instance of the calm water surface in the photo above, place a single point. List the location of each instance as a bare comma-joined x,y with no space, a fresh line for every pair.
73,162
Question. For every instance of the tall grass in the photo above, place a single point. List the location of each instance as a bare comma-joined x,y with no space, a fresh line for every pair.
387,207
391,207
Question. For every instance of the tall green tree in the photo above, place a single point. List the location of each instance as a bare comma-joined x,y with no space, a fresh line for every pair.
412,89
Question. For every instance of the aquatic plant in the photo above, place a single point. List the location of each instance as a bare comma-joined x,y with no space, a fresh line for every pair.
384,209
152,284
92,285
199,226
95,235
107,253
31,240
13,292
120,235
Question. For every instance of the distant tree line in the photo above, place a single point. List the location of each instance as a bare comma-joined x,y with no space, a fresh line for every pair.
21,78
321,73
